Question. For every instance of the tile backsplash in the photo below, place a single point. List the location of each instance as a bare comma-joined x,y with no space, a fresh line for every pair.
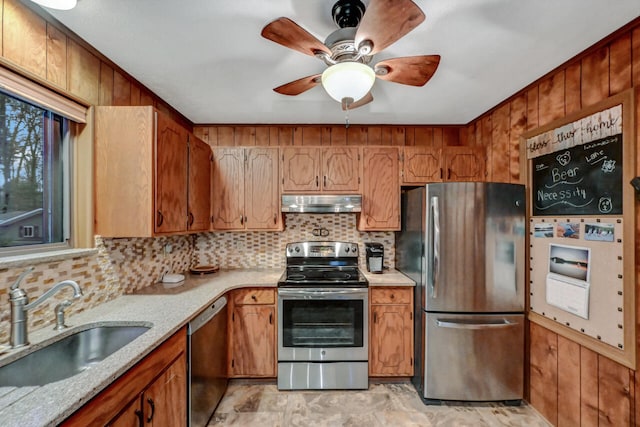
263,249
125,265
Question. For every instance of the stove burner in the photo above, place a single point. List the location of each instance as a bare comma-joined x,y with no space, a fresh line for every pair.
308,267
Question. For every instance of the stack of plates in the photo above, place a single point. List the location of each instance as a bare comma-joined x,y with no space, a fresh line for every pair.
204,269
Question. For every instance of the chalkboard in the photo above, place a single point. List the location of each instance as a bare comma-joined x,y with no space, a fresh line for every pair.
582,180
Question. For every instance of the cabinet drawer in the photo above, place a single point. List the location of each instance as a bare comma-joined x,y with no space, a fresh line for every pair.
391,295
254,296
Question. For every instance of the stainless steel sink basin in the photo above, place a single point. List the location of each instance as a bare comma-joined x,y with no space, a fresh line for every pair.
68,356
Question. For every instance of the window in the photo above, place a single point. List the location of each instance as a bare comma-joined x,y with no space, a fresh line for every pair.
34,175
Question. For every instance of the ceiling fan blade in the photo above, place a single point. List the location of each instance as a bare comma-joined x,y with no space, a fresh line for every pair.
408,70
289,34
296,87
362,101
384,22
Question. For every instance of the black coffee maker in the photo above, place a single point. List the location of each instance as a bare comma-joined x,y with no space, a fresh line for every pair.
375,256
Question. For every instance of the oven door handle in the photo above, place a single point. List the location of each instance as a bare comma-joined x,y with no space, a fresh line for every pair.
322,293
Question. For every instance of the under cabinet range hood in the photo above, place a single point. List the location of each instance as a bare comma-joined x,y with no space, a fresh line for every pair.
321,203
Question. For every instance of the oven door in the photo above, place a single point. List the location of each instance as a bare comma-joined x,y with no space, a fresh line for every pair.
323,324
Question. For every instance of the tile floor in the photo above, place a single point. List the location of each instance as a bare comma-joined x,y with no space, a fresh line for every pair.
397,404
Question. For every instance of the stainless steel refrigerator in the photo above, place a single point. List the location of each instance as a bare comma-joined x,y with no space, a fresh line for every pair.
463,243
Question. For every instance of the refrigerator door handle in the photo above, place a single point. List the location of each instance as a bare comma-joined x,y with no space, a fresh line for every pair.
435,224
466,324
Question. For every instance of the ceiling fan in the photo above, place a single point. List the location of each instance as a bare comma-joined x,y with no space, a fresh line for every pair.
349,50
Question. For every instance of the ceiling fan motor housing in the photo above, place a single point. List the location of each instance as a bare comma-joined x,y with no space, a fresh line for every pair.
347,13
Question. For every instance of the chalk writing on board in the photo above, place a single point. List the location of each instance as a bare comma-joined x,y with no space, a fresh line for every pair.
582,180
595,127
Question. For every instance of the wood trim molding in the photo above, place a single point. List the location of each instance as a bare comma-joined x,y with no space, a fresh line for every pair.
82,198
36,94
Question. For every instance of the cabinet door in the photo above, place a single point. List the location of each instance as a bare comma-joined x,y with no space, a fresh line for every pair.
300,169
341,169
227,201
464,164
421,165
171,176
131,416
391,340
381,190
262,198
164,403
253,338
199,184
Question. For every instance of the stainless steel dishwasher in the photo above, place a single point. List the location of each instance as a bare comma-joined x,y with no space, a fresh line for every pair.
207,362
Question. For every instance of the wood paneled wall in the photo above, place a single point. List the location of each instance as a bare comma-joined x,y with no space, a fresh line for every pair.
36,46
569,384
241,135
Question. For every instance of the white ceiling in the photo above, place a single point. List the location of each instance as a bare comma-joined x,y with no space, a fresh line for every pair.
207,59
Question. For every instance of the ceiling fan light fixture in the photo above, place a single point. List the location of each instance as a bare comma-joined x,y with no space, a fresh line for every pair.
348,80
57,4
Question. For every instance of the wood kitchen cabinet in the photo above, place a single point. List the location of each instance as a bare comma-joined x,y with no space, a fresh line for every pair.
245,192
252,333
320,169
163,403
200,163
391,332
151,175
154,391
380,190
464,164
422,165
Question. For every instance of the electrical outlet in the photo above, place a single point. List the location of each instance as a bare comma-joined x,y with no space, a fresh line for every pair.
168,248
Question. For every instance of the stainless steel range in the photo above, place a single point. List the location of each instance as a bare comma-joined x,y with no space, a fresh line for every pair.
323,319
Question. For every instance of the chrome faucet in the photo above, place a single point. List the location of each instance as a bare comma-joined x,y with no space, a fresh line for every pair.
20,305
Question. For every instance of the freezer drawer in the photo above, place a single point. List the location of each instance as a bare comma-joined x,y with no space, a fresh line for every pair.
474,357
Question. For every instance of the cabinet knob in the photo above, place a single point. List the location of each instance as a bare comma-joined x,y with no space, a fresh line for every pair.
316,180
324,181
253,297
392,296
138,413
191,219
159,218
275,218
241,219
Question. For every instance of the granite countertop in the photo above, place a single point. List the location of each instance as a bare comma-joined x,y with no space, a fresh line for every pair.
388,278
167,309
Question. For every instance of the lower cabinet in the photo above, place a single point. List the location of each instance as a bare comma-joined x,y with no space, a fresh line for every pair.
152,393
163,403
391,332
252,333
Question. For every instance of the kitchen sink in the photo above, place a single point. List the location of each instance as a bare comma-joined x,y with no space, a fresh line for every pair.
70,355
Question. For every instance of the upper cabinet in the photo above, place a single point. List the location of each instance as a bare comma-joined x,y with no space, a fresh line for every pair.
245,192
464,164
151,175
200,161
317,169
380,190
422,164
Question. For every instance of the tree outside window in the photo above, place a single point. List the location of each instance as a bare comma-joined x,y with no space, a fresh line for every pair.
31,174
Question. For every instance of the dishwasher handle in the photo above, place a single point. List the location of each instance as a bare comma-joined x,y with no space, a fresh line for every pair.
207,314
